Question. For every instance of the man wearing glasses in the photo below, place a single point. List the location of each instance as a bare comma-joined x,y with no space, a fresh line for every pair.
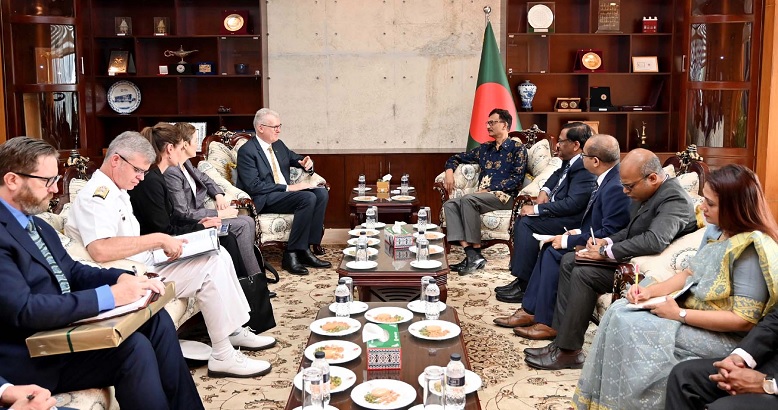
560,206
503,163
44,288
264,173
661,212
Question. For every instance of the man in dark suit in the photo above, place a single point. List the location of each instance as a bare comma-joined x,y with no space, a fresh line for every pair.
263,173
560,204
43,288
606,214
662,211
746,379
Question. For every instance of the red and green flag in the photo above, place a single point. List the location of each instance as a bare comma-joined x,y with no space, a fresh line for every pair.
492,91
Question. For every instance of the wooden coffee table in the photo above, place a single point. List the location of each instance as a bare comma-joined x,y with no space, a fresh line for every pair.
394,275
401,210
416,355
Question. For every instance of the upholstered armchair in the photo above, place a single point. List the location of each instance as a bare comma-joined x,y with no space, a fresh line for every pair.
497,226
688,167
221,165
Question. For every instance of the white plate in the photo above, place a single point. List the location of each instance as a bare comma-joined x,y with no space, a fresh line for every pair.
428,264
406,392
368,232
327,407
378,225
472,381
431,236
195,350
453,330
367,188
123,97
347,377
434,249
403,198
350,350
361,265
370,241
352,251
365,198
353,326
356,307
429,226
420,307
405,314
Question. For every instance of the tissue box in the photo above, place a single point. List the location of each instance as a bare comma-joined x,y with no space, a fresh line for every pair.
385,355
399,254
403,239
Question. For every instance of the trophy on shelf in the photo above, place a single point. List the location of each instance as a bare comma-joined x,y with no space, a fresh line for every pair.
642,136
181,67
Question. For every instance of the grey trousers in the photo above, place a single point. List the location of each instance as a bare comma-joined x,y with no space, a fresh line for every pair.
244,228
463,215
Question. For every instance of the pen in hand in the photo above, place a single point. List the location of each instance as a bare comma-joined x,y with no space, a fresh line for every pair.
566,231
591,231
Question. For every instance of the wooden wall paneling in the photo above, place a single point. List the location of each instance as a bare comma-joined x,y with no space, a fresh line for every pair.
767,147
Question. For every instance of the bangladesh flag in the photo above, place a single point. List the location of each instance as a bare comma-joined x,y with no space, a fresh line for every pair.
493,91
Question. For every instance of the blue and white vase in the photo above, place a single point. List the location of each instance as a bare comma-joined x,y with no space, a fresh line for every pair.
527,92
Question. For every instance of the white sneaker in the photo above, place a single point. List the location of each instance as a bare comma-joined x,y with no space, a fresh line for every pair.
247,340
237,365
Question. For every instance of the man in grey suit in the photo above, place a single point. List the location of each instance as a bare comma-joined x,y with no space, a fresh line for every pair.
662,211
263,173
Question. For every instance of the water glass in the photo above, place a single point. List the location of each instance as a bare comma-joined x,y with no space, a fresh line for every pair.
312,389
404,184
361,185
433,396
422,249
425,280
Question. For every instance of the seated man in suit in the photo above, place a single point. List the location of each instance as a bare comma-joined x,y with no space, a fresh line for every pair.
662,211
746,379
43,288
560,205
606,214
263,173
503,163
101,218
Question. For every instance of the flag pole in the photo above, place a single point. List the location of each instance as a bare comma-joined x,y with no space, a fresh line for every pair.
487,12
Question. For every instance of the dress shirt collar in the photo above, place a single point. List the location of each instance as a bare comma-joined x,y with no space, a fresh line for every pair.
602,176
17,214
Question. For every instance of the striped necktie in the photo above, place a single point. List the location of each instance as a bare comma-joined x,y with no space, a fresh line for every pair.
272,157
591,200
559,184
64,286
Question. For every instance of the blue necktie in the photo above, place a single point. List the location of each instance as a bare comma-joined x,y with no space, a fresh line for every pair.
591,200
559,184
64,286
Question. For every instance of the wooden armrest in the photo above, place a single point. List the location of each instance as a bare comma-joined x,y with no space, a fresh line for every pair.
625,276
246,204
518,202
441,188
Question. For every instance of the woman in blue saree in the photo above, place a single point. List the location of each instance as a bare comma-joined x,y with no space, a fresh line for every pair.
734,283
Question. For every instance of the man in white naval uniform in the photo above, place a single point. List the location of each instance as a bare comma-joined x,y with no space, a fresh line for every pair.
102,218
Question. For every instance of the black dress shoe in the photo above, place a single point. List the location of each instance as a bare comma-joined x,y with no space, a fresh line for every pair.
272,294
473,266
458,266
514,296
557,359
291,264
307,258
317,250
537,351
505,288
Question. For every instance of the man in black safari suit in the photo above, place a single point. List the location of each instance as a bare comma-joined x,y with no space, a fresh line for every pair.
560,204
263,173
43,288
746,378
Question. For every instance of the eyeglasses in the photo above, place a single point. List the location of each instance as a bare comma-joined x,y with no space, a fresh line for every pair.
274,127
138,171
630,187
564,140
589,156
49,180
491,123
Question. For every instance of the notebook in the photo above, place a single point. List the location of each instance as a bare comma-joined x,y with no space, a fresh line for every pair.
659,299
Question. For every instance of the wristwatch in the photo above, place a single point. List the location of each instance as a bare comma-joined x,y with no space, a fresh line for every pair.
769,385
602,251
682,314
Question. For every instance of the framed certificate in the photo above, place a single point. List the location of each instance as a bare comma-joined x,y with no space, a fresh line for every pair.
647,64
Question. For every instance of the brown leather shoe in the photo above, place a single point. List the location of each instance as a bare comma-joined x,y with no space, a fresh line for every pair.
557,359
537,351
519,318
538,331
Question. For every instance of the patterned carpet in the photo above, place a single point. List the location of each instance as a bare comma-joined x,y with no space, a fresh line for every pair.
495,353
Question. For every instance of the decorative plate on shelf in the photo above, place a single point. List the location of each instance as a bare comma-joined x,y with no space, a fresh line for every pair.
591,60
540,17
234,22
123,97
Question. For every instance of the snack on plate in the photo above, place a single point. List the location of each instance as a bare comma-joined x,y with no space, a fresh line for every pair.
335,327
335,382
386,317
331,352
433,331
381,395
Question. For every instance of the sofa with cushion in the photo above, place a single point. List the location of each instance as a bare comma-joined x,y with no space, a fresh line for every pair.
497,226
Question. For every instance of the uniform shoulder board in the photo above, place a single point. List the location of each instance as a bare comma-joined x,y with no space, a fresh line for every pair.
101,191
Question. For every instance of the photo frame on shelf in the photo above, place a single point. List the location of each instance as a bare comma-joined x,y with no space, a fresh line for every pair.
161,26
567,104
123,26
645,64
121,62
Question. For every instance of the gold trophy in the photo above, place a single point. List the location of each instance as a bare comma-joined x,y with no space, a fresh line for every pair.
642,136
181,67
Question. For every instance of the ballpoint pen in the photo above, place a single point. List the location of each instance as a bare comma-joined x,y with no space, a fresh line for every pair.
565,228
591,232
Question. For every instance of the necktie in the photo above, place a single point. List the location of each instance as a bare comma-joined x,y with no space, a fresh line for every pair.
591,201
272,156
559,184
64,286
